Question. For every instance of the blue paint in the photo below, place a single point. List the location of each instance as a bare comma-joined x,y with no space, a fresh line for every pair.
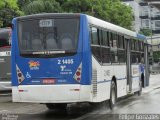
140,36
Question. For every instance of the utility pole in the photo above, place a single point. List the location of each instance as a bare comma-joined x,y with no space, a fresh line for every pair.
150,8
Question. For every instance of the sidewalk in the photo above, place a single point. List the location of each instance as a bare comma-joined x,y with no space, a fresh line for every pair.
154,83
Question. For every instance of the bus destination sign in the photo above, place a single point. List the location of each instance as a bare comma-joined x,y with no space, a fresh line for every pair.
46,23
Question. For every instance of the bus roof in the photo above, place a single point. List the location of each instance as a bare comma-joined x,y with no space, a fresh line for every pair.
48,14
112,27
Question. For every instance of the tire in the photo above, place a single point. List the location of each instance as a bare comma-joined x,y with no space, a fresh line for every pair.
52,106
113,95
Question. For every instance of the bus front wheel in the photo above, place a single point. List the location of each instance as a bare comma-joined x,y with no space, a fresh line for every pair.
113,95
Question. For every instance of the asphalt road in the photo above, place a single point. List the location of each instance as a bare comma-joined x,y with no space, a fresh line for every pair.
148,103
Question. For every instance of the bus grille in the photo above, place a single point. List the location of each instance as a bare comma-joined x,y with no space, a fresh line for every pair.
94,82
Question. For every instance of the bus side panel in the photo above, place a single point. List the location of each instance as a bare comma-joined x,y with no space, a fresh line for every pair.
100,84
135,77
120,74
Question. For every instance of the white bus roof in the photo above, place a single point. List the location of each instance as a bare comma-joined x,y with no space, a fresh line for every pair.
112,27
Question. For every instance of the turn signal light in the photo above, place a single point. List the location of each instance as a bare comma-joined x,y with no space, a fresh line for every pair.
77,75
19,75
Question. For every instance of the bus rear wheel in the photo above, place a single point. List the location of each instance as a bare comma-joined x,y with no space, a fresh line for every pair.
59,106
113,95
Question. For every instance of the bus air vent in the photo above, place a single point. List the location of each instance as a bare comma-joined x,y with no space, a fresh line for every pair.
94,82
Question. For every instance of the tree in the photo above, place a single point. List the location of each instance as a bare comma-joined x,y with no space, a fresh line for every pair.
22,3
156,56
41,6
113,11
109,10
146,32
8,10
120,14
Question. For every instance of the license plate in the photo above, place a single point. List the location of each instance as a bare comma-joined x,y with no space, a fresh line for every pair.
48,81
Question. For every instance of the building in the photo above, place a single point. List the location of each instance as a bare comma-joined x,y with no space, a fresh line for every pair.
136,13
146,17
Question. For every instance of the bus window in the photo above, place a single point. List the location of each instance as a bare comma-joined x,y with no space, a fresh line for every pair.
135,58
57,35
51,41
105,55
96,49
133,44
120,41
111,39
5,37
105,35
121,56
100,37
115,40
114,56
94,34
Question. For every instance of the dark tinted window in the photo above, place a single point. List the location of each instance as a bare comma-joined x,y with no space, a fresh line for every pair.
136,57
132,44
100,37
96,51
104,35
106,55
114,55
136,45
111,39
94,36
121,56
114,40
120,41
5,37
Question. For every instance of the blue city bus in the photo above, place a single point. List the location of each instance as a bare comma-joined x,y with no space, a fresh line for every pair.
69,58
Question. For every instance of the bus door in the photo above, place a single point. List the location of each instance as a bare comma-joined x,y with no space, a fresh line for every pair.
128,64
146,58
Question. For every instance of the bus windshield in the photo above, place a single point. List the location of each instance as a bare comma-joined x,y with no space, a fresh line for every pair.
48,37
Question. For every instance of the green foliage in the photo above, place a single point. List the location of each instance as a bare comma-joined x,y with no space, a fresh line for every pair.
113,11
120,14
8,10
146,32
156,56
42,6
22,3
109,10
